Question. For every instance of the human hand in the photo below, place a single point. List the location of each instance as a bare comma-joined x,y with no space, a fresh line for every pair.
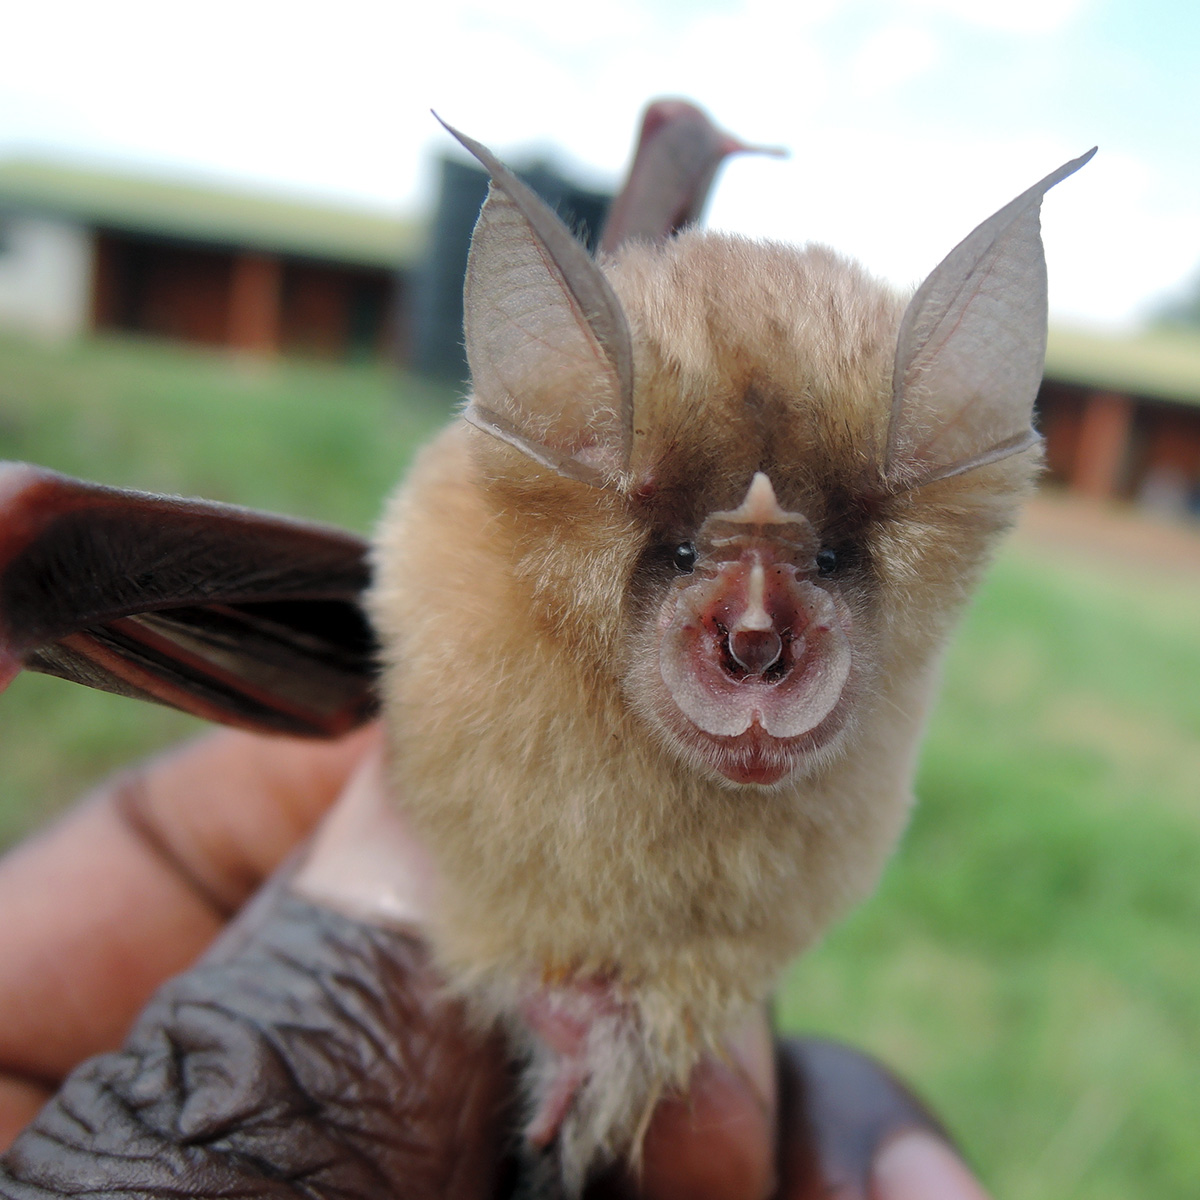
310,1049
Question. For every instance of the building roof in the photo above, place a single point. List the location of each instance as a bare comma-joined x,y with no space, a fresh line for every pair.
209,213
1160,365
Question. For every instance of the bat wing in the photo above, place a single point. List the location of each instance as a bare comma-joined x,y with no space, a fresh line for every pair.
237,616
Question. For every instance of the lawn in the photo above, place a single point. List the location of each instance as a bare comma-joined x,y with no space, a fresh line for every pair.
1031,960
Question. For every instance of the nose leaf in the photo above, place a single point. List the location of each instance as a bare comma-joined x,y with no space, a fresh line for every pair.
749,639
758,520
754,643
726,669
759,506
755,650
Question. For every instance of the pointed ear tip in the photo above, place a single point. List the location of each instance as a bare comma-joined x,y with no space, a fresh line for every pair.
1082,160
477,150
461,138
1067,170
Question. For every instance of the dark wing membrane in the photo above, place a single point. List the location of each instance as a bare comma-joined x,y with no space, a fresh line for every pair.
238,616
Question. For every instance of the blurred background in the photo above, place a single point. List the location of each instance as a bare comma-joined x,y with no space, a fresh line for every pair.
231,243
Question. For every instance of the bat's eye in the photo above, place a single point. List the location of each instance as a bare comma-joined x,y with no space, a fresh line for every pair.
684,556
827,561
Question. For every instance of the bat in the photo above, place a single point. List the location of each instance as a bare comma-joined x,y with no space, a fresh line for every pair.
679,151
659,617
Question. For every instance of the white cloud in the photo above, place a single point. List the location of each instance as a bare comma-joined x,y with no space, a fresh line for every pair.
892,56
900,206
1119,248
1009,16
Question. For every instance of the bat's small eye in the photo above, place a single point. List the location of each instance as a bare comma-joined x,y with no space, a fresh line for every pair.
684,556
827,561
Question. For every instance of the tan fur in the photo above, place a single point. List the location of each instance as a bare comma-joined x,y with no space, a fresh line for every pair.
571,834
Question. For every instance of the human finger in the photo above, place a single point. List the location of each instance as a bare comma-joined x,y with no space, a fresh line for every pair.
849,1130
716,1141
309,1051
131,885
918,1166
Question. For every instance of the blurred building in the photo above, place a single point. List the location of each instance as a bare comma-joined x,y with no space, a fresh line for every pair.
84,250
1121,416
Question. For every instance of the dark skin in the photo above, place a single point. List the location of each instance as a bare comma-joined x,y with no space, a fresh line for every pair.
135,883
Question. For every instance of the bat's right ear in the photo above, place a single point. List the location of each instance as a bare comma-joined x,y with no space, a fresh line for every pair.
547,342
971,349
232,615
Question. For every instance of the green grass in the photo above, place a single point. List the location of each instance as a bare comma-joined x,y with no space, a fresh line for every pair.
1031,960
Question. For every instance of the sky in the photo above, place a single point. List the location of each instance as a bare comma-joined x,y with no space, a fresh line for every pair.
908,121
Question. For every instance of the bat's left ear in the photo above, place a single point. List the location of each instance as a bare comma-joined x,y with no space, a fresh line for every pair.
229,614
972,348
547,342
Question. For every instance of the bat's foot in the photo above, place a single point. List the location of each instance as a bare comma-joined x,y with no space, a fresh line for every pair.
563,1015
555,1103
589,1077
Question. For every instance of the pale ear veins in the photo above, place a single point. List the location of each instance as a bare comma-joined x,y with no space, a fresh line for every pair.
547,341
971,349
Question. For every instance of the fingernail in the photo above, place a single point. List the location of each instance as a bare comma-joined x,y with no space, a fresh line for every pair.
919,1166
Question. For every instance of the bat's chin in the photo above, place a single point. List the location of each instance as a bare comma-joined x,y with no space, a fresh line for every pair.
757,758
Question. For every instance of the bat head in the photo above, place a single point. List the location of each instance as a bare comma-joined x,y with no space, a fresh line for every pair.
753,485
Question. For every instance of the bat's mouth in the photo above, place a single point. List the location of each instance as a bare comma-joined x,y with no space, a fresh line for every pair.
754,756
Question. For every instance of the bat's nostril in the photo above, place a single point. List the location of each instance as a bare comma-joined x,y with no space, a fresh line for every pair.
755,650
